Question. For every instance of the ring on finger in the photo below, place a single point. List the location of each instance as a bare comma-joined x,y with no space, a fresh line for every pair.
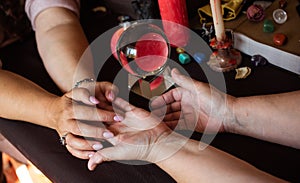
63,140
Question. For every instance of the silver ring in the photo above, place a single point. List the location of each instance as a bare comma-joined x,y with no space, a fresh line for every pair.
63,140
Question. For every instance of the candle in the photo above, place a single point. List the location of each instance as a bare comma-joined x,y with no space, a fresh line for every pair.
218,20
175,20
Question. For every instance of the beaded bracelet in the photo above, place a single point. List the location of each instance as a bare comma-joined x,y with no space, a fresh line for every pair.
86,80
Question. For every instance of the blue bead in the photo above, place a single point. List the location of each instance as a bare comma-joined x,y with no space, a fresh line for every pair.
199,57
184,58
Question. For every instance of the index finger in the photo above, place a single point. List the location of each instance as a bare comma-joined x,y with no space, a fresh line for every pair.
88,113
108,91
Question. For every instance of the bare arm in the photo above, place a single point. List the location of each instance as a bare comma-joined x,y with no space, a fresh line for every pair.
23,100
190,164
61,43
184,159
275,118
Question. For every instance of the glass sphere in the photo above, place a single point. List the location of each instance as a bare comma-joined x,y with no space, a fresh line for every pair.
143,49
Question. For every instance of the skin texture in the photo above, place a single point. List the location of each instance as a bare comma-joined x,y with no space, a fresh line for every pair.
61,43
183,158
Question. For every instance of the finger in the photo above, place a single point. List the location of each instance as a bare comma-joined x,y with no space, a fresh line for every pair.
98,158
82,95
135,117
81,143
80,153
106,106
123,105
107,154
118,128
162,100
88,113
182,80
172,124
173,116
164,111
89,130
108,90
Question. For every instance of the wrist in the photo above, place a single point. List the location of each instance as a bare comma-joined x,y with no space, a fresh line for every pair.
51,112
87,83
168,144
230,122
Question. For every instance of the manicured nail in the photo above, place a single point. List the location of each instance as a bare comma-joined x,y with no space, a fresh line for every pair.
91,155
93,166
111,96
97,147
118,118
94,100
108,135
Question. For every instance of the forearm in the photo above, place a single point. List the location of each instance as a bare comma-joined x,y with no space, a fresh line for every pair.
190,164
23,100
61,43
274,118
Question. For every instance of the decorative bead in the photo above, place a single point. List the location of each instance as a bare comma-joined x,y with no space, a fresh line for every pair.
199,57
282,3
259,60
279,39
184,58
268,26
255,13
180,50
279,16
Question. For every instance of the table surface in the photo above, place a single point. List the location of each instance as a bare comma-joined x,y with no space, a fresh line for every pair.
41,145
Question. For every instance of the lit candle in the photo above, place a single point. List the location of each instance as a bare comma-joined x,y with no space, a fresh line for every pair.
218,20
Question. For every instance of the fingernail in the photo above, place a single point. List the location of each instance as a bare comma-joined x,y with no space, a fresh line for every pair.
111,96
108,135
175,71
94,100
118,118
93,166
91,155
97,147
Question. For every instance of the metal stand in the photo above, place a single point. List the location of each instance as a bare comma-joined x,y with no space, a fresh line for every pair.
151,86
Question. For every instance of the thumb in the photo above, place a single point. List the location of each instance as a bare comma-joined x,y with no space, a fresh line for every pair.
106,154
82,95
182,80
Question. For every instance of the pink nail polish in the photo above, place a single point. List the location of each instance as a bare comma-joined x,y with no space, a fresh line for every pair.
97,147
108,135
94,100
118,118
111,96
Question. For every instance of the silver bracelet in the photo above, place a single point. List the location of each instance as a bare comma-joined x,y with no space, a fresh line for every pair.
86,80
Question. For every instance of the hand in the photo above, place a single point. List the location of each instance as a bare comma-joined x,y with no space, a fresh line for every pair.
76,114
194,106
140,136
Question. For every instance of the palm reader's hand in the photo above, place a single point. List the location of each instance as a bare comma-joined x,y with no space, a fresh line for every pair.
140,136
80,118
194,105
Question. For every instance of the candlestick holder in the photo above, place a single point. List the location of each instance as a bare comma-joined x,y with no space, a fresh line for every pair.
143,50
224,57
